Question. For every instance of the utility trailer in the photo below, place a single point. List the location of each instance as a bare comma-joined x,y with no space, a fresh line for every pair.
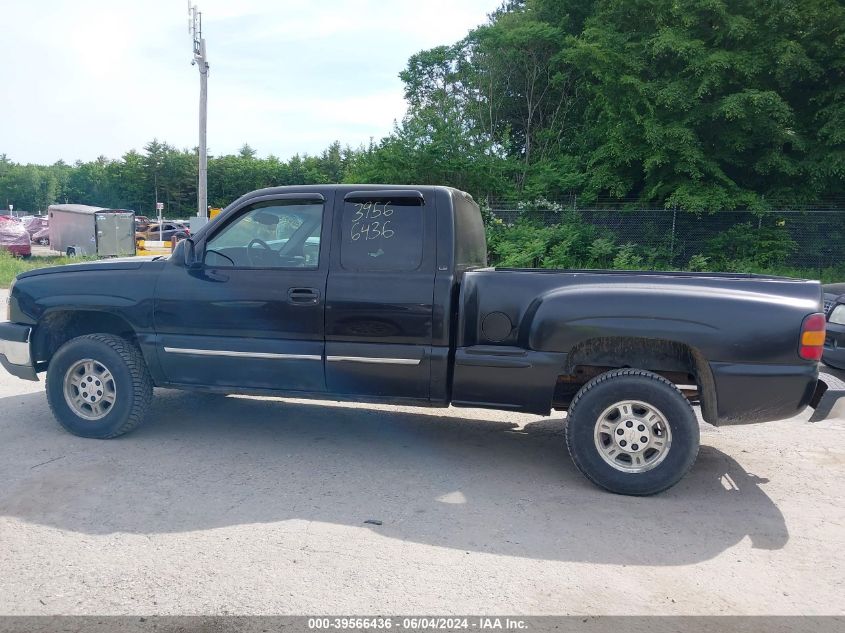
79,229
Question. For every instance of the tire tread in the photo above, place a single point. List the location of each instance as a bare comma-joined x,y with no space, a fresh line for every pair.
592,384
142,382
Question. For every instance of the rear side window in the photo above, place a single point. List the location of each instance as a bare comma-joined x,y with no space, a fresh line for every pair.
382,234
470,240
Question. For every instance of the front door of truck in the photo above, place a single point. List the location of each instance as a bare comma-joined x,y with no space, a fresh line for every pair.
380,294
252,315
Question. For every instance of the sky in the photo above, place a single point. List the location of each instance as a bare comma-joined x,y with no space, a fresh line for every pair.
84,78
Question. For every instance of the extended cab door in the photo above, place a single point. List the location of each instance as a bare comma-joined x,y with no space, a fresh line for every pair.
252,315
379,295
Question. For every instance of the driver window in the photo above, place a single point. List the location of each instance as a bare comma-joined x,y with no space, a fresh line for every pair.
269,235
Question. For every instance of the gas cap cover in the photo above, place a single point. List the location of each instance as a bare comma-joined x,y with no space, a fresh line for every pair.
496,326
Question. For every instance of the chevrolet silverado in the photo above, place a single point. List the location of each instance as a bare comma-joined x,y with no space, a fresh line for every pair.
383,294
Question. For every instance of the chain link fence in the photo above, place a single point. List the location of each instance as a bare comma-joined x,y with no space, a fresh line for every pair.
799,238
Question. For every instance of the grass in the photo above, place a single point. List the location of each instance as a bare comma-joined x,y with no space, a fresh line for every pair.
11,266
825,275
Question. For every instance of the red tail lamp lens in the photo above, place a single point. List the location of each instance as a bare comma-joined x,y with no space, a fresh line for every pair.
811,343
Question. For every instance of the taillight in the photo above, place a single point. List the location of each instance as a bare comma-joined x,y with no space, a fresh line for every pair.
812,337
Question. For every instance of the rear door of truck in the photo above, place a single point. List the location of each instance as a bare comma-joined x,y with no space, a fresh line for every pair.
379,298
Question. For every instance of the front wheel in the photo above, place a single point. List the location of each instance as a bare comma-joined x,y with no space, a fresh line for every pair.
98,386
632,432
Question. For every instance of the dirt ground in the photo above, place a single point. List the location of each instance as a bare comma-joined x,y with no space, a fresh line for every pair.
257,506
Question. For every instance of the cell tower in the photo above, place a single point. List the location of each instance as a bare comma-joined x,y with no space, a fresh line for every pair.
200,60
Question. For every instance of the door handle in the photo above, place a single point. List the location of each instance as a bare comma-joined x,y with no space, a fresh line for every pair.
303,296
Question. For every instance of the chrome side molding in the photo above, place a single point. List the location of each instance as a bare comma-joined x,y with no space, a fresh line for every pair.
368,359
220,352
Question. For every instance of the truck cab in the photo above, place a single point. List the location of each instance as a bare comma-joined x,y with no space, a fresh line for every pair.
348,290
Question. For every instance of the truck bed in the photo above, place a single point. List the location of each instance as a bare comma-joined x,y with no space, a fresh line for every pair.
743,328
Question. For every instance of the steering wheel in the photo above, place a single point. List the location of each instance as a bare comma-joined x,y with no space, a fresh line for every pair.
249,251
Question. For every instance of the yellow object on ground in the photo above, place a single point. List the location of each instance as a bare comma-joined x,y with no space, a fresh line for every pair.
153,247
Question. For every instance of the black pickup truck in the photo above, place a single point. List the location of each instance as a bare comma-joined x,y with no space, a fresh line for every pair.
382,293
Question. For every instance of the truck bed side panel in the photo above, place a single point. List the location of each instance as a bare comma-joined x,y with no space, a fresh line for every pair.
730,320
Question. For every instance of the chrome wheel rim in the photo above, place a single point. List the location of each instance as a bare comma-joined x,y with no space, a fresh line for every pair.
632,436
89,389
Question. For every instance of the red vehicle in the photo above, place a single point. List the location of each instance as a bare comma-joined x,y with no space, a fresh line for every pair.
14,237
42,237
35,225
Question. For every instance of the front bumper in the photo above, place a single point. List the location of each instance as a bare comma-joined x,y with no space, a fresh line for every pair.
15,356
828,399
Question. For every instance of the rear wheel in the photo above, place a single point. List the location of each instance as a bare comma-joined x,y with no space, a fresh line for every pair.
632,432
98,386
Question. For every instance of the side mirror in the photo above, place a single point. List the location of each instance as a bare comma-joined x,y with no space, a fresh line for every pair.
189,253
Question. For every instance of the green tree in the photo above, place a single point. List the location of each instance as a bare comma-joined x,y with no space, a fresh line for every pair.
710,104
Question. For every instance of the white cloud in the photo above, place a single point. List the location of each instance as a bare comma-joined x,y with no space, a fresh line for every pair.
95,77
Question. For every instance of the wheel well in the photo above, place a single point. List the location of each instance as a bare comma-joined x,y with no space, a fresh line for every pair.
677,362
57,328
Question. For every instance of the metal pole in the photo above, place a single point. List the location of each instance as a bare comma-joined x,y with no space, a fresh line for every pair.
200,59
202,188
672,241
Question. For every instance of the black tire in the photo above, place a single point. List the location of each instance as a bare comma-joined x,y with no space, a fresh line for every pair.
616,386
132,383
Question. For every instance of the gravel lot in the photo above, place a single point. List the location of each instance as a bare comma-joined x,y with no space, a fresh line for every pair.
43,251
244,505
